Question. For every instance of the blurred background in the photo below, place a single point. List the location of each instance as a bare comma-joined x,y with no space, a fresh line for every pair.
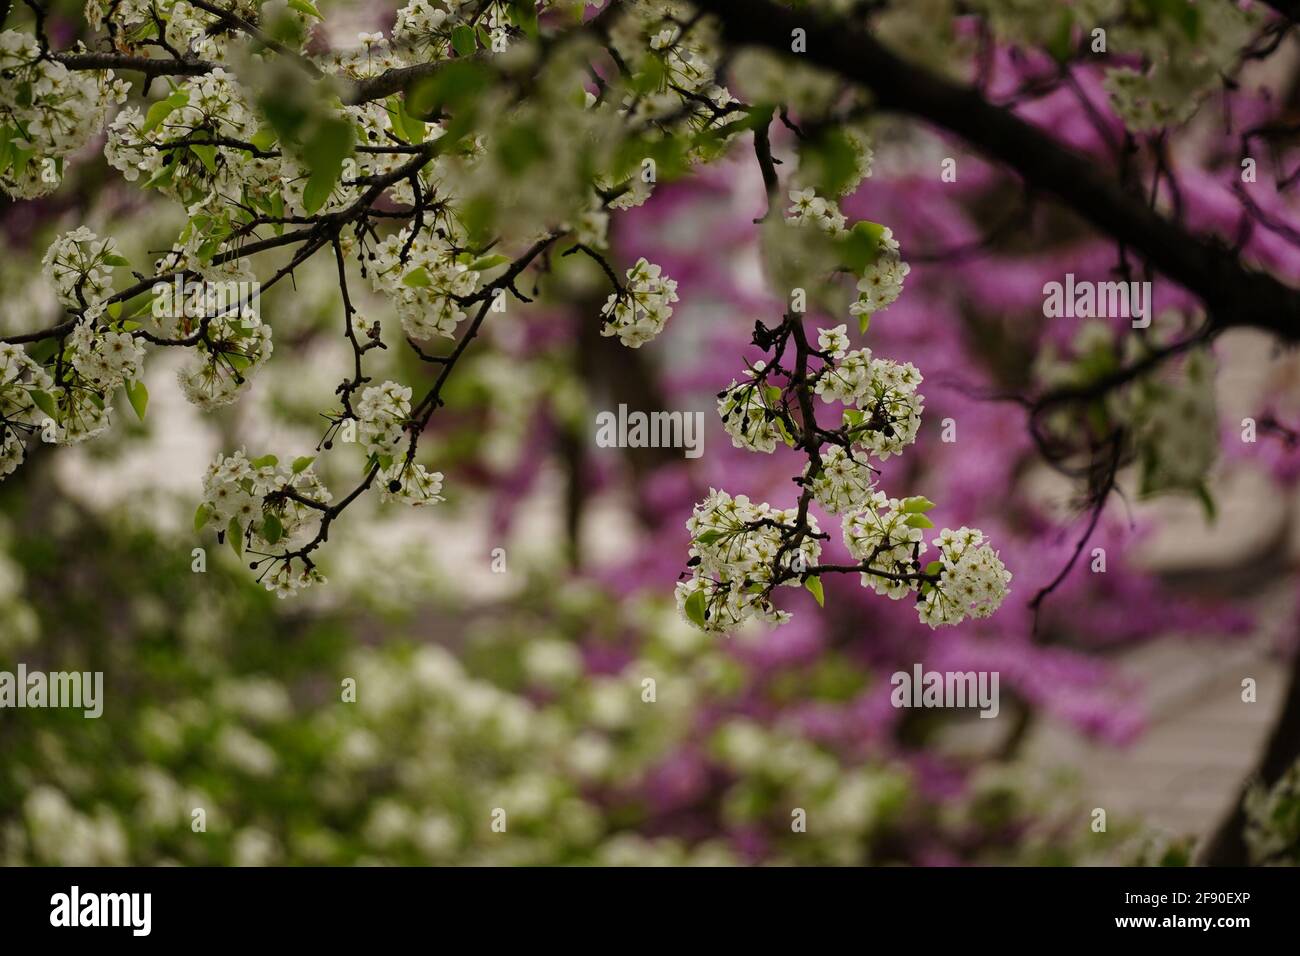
500,643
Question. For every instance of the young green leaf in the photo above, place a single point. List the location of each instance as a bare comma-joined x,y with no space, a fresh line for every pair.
417,279
207,155
164,108
305,7
462,40
138,396
488,262
814,586
45,402
695,605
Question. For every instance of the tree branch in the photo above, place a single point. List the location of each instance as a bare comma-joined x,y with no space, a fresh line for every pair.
1233,295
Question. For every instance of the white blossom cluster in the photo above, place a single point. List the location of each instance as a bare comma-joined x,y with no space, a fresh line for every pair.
247,501
882,281
967,580
885,412
423,26
46,113
1183,62
221,365
735,547
887,537
809,209
1272,830
737,556
79,267
383,414
382,417
427,288
973,581
104,358
688,91
93,360
749,413
844,482
637,313
186,148
1170,420
410,483
20,415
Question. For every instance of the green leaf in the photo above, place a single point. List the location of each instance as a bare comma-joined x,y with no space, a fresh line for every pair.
112,260
916,505
453,88
138,396
235,535
305,7
814,586
488,262
934,567
272,530
317,192
651,78
43,351
710,536
524,15
864,322
406,126
325,150
695,605
264,461
417,279
918,521
519,147
264,138
45,402
162,177
302,464
1060,44
462,40
861,246
830,161
207,155
164,108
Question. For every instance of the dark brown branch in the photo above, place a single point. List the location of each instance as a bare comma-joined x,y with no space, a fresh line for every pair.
1233,294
